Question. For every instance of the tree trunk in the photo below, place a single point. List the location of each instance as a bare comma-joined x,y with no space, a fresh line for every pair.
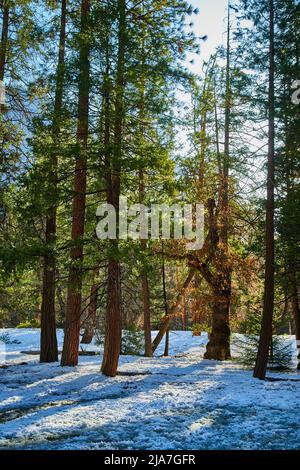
3,56
73,308
48,340
185,317
224,197
147,315
218,347
267,318
113,333
48,347
167,343
144,281
4,39
144,276
112,344
294,301
90,320
173,311
166,351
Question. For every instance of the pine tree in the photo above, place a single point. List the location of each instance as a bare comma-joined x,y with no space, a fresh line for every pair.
288,161
4,37
112,345
73,307
218,346
48,348
266,328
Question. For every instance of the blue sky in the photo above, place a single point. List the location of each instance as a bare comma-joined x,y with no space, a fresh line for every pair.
211,22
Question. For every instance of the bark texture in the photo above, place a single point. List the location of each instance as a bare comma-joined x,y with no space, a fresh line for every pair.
218,347
4,38
266,327
49,352
112,343
73,307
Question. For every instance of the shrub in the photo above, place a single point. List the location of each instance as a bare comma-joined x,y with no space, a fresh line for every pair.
280,357
201,327
132,341
6,339
197,329
29,324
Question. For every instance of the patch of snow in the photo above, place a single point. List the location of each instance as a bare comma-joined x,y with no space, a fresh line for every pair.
177,402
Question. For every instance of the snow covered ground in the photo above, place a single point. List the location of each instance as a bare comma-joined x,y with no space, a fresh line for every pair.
179,402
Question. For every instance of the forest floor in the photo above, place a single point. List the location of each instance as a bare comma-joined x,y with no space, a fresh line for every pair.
178,402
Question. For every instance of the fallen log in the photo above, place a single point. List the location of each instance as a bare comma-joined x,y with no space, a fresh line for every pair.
81,353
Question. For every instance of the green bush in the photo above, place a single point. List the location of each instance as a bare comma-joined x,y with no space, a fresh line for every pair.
280,357
132,341
197,329
29,324
201,327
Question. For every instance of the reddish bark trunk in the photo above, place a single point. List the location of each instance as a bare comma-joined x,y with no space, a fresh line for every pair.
73,307
112,344
48,345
